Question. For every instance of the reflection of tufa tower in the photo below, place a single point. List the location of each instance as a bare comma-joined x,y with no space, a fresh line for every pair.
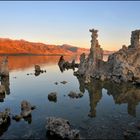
4,79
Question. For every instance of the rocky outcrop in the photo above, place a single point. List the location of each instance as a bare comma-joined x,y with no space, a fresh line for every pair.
90,64
61,129
122,66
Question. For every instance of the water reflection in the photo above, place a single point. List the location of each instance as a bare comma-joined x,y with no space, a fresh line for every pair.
23,62
5,82
36,89
123,93
28,118
4,79
4,127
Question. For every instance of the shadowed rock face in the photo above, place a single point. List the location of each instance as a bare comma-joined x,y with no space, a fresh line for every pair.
122,66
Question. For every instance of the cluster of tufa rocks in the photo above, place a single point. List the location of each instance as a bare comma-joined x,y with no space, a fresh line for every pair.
60,128
66,65
122,66
26,110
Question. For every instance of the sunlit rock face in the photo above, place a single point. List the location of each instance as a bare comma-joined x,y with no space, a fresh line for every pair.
122,66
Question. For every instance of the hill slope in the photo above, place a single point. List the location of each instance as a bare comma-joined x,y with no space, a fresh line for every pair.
9,46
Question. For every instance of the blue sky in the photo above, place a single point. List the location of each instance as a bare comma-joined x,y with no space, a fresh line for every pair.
69,22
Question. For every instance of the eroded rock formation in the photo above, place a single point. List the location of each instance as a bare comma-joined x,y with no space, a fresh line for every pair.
60,128
26,110
90,64
122,66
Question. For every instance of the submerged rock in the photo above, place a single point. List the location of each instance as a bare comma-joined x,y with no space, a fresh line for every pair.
73,94
52,96
60,128
56,83
63,82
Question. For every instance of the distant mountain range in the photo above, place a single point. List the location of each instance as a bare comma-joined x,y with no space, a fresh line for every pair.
22,47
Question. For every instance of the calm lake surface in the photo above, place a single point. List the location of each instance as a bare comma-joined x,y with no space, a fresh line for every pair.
105,111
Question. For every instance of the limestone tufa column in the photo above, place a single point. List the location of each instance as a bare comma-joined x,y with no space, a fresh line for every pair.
135,39
96,53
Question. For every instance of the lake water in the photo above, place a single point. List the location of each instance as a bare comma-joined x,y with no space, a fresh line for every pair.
106,110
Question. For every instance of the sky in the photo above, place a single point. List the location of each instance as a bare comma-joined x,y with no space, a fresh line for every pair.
68,22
